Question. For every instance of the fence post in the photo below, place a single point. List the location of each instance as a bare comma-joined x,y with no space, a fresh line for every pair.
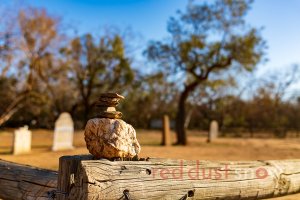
166,134
68,167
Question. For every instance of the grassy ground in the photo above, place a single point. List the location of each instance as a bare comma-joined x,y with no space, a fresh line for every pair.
221,149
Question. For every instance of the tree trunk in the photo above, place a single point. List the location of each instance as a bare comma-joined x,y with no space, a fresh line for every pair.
180,117
11,109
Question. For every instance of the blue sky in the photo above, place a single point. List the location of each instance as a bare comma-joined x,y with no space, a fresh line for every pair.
280,19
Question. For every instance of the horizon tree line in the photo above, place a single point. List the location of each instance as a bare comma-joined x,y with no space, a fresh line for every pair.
45,71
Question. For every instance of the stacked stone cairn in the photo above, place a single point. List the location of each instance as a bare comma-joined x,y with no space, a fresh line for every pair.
107,135
107,105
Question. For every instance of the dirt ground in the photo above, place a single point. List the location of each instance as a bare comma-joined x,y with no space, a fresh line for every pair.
221,149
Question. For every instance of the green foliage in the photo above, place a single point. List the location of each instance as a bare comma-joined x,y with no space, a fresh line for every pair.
208,38
95,67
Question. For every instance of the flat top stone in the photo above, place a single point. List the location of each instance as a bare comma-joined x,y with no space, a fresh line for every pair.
112,95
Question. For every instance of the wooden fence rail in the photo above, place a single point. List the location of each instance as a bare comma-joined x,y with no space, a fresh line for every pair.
26,182
81,177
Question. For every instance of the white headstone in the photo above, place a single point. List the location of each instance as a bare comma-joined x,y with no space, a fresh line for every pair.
22,141
213,131
63,133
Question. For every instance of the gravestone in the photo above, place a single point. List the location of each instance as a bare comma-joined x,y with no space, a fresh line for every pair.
213,131
22,141
166,137
63,133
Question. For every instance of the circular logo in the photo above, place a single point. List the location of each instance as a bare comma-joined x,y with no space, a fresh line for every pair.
261,173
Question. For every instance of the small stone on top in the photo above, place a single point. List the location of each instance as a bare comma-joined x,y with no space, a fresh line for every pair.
111,95
109,100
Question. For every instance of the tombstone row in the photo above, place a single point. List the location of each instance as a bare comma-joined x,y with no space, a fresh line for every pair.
62,140
64,132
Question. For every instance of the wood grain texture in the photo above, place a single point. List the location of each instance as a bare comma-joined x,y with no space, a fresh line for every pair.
68,166
83,178
26,182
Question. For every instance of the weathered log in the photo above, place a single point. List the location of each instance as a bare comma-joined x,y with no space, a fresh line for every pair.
26,182
84,178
